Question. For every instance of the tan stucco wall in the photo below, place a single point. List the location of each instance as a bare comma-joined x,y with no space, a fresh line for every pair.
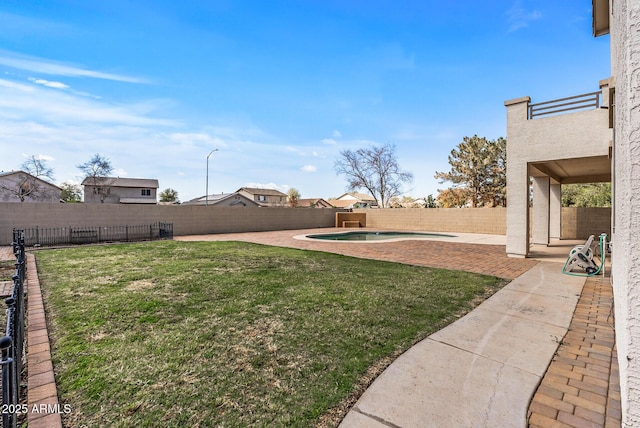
625,66
468,220
187,219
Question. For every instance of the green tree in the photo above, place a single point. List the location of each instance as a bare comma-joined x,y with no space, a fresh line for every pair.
478,166
454,197
293,196
169,195
376,169
496,194
430,202
71,193
586,195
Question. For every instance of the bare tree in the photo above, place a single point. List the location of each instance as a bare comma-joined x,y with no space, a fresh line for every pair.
96,172
375,169
38,168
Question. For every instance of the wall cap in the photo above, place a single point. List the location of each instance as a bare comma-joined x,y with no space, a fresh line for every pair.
517,101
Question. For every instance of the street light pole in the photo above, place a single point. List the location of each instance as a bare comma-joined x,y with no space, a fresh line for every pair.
207,192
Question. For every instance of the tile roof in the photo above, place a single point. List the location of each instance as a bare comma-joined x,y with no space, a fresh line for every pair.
121,182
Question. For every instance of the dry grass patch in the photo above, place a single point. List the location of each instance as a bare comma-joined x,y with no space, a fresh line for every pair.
7,270
233,334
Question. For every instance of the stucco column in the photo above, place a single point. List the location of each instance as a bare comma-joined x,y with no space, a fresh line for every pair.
540,233
555,211
517,179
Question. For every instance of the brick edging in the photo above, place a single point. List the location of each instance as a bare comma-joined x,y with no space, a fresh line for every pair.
42,396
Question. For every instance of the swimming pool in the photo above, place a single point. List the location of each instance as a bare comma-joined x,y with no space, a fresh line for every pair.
376,236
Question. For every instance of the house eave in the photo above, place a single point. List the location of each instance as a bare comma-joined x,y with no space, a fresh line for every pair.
600,12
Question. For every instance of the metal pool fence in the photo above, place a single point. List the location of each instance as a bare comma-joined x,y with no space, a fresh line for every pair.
94,234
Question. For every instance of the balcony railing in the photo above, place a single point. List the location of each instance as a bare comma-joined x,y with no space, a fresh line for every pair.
578,102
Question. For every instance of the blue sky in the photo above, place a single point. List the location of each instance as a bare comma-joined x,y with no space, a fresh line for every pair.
280,88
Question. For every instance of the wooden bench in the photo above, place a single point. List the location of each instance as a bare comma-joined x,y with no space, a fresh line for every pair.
351,223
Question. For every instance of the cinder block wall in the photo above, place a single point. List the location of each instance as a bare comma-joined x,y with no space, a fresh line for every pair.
579,223
467,220
186,219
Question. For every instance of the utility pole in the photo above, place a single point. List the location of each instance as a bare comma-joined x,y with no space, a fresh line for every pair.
207,191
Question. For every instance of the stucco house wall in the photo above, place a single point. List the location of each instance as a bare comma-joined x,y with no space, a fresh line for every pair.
625,65
265,197
120,190
41,191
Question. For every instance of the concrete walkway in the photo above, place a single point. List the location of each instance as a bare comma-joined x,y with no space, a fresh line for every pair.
482,370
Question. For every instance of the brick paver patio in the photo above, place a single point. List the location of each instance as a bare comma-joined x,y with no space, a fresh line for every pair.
479,258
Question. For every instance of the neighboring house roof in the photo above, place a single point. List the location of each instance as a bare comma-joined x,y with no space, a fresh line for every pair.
121,182
257,191
337,203
316,202
361,197
223,199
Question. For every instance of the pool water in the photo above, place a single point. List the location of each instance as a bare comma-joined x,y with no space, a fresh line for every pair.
375,236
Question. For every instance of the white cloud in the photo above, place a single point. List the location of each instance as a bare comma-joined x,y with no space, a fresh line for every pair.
309,168
337,134
45,66
39,156
28,102
519,18
48,83
14,85
119,172
87,94
329,141
197,139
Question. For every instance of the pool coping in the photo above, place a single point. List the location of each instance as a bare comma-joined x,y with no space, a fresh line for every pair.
463,238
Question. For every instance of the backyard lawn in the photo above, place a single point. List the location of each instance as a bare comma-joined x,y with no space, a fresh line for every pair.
233,334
